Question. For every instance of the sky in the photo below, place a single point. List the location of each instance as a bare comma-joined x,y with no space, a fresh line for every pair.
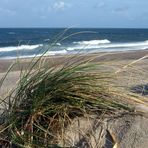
74,13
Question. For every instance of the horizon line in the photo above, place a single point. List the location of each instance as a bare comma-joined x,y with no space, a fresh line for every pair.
72,28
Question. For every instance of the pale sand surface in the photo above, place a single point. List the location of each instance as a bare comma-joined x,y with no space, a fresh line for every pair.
112,56
132,75
127,77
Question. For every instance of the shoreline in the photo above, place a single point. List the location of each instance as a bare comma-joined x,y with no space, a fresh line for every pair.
56,59
113,61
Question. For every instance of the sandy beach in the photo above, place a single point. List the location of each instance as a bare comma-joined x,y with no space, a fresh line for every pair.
130,69
134,74
102,56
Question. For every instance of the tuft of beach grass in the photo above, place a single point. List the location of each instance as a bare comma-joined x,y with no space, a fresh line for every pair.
48,98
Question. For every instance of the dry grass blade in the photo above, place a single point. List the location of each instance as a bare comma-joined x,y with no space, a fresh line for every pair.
131,63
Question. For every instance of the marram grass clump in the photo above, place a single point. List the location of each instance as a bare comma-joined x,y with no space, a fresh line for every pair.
47,99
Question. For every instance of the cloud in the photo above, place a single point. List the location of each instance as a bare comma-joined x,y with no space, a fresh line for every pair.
7,11
43,17
144,15
122,9
60,5
125,12
100,5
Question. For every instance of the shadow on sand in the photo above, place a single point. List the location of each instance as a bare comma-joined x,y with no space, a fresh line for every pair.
140,89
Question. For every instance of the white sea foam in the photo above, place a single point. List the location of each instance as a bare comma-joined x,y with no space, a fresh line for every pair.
46,40
113,46
60,52
21,47
25,56
58,44
93,47
49,53
93,42
11,32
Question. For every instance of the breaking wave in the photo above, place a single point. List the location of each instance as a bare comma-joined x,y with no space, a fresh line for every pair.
21,47
93,42
73,48
107,45
49,53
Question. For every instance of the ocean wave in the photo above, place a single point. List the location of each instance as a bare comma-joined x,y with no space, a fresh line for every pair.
128,46
11,33
72,49
48,53
21,47
46,40
58,44
93,42
60,52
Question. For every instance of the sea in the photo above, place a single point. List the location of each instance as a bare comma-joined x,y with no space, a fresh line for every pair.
30,42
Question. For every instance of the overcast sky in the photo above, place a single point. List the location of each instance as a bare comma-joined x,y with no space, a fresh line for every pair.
74,13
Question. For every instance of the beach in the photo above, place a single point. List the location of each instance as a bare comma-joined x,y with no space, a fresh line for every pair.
73,74
130,71
134,74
